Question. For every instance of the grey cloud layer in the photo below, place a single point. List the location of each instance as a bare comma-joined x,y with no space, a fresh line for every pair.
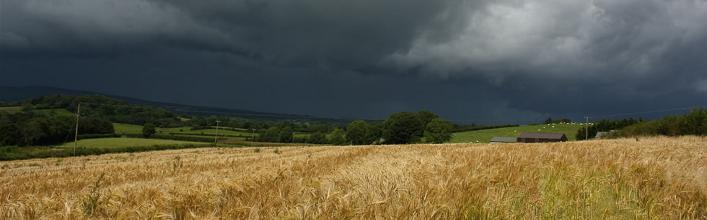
559,37
512,48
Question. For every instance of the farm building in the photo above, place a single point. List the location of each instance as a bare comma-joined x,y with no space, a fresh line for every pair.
601,134
533,137
504,140
604,134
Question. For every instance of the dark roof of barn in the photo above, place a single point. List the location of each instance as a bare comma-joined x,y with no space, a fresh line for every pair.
541,135
504,139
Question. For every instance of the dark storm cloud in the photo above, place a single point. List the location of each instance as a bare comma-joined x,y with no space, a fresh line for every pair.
510,60
307,33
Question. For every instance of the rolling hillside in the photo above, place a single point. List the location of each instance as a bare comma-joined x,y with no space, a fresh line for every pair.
484,136
16,94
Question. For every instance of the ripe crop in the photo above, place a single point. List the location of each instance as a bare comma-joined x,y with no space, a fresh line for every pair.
648,178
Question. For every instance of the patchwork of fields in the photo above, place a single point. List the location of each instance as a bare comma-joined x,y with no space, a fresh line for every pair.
137,130
233,136
663,178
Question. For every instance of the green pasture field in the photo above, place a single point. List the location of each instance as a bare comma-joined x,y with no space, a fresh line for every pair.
137,129
129,129
97,146
484,136
128,142
11,109
16,109
59,112
207,132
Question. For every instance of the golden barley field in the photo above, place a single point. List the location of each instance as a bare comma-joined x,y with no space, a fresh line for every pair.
652,178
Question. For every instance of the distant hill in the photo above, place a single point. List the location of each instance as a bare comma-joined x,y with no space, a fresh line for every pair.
16,94
203,110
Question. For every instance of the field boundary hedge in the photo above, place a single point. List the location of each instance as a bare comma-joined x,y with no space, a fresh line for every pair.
20,153
174,137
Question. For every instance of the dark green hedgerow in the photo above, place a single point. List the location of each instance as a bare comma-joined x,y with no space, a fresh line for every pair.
21,153
178,138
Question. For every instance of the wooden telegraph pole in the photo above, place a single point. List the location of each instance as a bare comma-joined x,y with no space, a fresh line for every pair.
586,128
76,133
216,137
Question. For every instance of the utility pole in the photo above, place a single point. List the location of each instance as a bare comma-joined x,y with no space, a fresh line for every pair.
216,137
76,134
586,128
252,136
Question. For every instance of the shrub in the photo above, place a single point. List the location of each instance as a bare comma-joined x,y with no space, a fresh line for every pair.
337,137
403,128
438,131
148,130
317,138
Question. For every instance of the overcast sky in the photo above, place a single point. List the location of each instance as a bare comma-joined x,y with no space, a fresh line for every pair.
470,61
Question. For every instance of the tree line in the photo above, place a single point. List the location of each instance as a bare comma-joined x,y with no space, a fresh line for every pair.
692,123
206,122
399,128
557,121
40,129
107,108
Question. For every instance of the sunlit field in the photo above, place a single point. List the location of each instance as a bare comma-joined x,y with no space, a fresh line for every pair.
11,109
137,130
127,142
485,135
647,178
